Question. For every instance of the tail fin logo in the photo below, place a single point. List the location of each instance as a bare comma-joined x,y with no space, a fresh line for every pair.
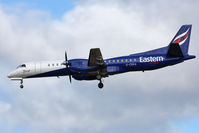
181,38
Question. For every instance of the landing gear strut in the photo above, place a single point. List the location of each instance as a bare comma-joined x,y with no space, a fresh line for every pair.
100,85
99,77
21,84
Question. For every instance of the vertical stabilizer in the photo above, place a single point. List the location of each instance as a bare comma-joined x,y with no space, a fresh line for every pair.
179,46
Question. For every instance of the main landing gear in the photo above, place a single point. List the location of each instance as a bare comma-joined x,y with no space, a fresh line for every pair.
21,84
100,85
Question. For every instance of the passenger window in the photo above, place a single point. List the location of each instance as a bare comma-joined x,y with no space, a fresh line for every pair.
48,64
118,60
57,64
122,60
113,60
126,60
52,64
131,60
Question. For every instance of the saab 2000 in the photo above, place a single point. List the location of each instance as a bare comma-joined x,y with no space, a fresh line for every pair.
96,68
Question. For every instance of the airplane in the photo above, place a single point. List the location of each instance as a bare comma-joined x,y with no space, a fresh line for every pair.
96,68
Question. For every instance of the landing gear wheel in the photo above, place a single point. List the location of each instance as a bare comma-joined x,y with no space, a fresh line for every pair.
21,86
100,85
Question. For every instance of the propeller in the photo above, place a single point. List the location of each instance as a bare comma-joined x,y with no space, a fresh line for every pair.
67,66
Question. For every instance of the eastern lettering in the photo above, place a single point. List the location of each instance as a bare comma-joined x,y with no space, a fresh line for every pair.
152,59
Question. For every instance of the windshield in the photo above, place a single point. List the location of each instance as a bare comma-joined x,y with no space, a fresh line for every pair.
23,65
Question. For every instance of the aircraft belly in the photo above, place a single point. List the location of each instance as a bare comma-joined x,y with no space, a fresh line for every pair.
91,75
84,77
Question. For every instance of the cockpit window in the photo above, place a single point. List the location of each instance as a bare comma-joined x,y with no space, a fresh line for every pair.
23,65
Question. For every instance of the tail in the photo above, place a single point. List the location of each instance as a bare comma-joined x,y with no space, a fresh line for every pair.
179,46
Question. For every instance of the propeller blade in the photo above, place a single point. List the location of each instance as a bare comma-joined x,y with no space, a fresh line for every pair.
66,58
67,66
70,78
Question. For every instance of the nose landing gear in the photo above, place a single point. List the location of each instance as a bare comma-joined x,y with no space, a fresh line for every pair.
21,84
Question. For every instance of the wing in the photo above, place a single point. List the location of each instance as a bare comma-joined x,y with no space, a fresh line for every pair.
95,58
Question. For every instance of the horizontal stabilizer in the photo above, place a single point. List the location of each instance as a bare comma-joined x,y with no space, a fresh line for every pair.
174,50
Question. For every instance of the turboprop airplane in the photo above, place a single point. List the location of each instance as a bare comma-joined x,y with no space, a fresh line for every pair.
96,68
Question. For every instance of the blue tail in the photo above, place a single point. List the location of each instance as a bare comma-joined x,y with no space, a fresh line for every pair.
179,46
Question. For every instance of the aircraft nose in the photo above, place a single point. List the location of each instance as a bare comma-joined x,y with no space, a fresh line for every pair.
10,75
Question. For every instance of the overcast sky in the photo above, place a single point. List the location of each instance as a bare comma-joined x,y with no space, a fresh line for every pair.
164,100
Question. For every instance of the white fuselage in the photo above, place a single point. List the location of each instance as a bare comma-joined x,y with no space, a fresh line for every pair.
35,68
